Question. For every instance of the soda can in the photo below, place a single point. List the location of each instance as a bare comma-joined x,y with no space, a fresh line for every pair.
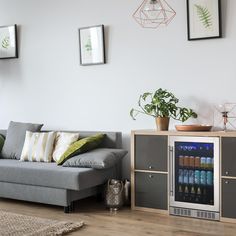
181,161
191,161
191,177
186,176
209,179
203,177
197,177
186,161
197,162
209,162
203,162
181,176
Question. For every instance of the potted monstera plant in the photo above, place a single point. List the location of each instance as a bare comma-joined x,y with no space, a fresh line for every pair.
162,105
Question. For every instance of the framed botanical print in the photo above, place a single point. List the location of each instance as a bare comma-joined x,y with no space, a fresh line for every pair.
8,42
92,45
204,19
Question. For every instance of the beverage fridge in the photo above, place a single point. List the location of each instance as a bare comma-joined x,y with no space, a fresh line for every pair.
194,177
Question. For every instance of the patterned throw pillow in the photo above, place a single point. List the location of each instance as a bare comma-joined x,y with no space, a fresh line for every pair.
2,140
38,146
62,143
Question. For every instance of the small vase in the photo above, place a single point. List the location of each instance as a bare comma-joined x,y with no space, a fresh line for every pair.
162,123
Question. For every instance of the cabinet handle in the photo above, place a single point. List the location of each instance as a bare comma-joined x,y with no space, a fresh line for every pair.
226,182
226,172
150,167
150,176
171,168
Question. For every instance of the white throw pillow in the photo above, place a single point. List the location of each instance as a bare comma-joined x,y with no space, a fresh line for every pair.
62,143
38,146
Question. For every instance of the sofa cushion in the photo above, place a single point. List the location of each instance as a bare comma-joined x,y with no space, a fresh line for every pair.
51,175
15,138
38,147
100,158
62,143
81,146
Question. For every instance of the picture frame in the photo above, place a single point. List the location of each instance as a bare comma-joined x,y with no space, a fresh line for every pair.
204,19
8,42
92,45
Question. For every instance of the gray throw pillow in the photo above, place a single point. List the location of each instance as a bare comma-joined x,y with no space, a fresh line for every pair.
100,158
15,138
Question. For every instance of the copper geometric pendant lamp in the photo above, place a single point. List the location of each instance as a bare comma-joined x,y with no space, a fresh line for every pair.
153,13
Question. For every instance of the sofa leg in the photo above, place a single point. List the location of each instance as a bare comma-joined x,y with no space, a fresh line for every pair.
70,208
67,209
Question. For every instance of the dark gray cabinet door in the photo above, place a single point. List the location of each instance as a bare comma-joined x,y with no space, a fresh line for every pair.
229,198
151,152
151,190
228,156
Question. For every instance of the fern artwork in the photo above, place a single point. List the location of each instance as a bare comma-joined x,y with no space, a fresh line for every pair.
204,15
204,19
8,42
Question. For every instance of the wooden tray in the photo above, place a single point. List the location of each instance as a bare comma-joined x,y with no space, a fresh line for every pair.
193,127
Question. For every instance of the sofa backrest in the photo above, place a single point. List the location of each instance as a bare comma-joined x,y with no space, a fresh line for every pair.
112,139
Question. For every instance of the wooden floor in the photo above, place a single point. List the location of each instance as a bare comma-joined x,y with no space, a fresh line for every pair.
100,222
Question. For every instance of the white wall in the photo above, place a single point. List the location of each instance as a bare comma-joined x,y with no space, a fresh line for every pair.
47,84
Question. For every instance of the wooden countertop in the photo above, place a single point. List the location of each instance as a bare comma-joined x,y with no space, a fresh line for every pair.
181,133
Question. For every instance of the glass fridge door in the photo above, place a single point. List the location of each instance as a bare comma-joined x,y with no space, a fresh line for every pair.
194,172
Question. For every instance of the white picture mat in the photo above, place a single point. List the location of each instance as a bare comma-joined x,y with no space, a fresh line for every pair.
197,29
7,33
91,45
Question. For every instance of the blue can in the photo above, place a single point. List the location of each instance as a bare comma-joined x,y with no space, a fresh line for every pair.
191,177
181,176
209,180
203,177
197,177
186,175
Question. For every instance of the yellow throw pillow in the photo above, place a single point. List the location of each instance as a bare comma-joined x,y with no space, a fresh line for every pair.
62,143
81,146
38,146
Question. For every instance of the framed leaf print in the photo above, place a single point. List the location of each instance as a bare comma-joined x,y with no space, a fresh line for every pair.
8,42
92,45
204,19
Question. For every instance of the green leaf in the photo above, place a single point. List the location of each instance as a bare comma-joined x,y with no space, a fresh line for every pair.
6,42
204,15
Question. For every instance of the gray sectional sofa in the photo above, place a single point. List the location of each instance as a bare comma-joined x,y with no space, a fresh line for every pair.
52,184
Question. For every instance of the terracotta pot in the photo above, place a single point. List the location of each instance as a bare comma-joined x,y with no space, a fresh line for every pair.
162,123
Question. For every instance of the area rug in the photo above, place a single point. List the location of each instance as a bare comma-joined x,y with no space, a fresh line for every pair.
12,224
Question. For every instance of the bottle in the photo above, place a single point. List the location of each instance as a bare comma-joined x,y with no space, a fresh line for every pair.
186,194
192,194
198,195
204,195
180,193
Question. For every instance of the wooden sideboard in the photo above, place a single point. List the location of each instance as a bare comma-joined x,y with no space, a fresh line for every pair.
150,170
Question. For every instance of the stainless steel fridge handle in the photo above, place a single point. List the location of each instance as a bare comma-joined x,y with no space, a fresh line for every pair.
171,170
